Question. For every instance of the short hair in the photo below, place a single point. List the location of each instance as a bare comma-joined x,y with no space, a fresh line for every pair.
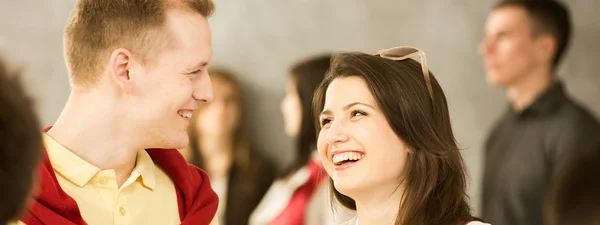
575,191
20,145
548,17
98,27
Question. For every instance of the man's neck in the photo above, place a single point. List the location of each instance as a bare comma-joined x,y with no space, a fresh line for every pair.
93,132
522,94
379,206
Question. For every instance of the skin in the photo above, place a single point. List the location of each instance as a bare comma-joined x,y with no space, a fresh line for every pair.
136,106
515,58
352,121
291,109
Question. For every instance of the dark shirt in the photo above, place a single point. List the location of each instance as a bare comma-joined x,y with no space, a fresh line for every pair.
523,152
246,189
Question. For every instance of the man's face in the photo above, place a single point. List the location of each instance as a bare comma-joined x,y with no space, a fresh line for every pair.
171,88
509,46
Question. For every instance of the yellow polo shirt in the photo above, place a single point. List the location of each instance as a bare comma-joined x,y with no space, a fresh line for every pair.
147,197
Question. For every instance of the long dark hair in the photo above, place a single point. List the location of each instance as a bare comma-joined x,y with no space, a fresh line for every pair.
307,75
435,176
241,145
250,174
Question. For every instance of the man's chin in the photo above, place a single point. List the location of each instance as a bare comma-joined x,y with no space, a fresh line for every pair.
181,145
185,142
175,145
495,80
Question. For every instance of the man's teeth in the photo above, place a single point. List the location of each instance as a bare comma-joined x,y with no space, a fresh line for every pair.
185,114
354,156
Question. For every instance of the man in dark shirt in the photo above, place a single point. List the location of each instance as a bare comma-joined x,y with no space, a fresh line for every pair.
524,42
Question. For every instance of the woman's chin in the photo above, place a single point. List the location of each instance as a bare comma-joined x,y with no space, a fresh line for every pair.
348,187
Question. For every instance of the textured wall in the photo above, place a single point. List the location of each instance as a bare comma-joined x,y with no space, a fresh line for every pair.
260,39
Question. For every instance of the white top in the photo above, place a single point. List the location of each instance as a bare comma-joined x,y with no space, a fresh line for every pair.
477,223
470,223
318,210
219,185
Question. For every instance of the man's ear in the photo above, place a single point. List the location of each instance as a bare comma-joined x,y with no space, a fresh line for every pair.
120,62
545,47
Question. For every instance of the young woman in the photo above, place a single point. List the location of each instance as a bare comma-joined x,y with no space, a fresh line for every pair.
386,141
298,196
219,145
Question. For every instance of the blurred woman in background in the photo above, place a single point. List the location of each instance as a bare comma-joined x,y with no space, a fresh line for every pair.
298,196
219,145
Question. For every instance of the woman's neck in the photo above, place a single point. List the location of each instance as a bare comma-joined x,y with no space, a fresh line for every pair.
217,153
379,206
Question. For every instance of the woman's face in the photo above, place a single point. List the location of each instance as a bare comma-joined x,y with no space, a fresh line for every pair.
291,109
221,116
356,144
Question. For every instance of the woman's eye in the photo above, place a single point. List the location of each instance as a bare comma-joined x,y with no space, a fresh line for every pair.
358,113
325,122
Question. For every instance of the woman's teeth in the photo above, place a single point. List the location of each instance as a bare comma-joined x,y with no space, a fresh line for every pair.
341,158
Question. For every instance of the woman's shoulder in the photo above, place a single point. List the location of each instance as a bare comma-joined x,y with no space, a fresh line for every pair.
350,222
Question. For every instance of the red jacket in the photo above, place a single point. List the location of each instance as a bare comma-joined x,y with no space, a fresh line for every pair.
196,200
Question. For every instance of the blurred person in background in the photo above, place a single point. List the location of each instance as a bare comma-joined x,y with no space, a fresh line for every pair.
298,196
523,46
20,145
574,196
219,145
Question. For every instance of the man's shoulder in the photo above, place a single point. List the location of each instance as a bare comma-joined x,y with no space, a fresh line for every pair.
194,190
576,116
15,223
185,175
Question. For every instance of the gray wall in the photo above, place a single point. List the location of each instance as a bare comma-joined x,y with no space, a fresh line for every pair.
260,39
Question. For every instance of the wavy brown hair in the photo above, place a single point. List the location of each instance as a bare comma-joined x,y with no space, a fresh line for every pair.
250,175
435,177
241,145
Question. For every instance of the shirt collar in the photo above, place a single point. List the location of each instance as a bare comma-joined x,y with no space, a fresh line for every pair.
145,167
69,165
547,103
80,172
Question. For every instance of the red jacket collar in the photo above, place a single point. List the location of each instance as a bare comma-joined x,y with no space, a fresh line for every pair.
196,200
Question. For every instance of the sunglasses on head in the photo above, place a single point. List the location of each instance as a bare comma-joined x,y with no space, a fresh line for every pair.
405,52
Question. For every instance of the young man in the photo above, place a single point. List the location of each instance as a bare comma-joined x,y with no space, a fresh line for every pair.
20,145
524,43
137,71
